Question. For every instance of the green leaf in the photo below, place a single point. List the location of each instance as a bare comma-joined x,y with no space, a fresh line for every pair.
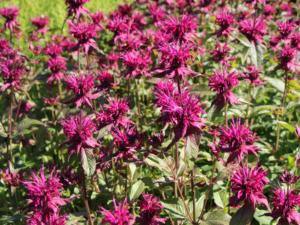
286,125
27,123
221,198
161,164
199,206
132,172
192,147
253,54
217,217
175,209
136,190
2,131
243,216
260,216
88,162
276,83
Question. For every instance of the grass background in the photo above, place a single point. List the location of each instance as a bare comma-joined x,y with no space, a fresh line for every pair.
55,9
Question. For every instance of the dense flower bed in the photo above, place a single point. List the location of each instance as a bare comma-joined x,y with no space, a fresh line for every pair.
162,112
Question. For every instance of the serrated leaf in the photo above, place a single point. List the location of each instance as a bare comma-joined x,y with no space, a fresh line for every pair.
161,164
253,54
192,148
88,162
136,190
261,217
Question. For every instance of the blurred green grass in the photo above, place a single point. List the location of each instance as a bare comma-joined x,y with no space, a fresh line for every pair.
55,9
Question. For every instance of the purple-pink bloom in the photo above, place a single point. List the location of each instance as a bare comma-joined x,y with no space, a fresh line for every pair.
12,68
136,63
127,140
84,33
287,58
288,178
253,29
120,215
284,206
41,24
173,60
236,139
57,66
252,74
225,20
83,87
285,28
177,28
76,7
222,83
10,14
179,108
44,198
114,112
79,131
220,54
150,208
106,80
247,186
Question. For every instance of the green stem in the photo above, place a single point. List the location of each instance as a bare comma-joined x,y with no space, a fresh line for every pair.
282,108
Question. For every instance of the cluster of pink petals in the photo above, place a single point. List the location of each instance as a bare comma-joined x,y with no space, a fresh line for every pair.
222,83
120,215
253,29
76,7
150,208
79,130
12,67
252,74
285,203
225,20
247,186
10,14
237,140
44,194
179,108
83,88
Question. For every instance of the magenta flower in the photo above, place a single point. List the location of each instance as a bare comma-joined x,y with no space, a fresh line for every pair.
127,140
247,185
285,28
220,54
174,59
287,58
136,63
106,80
53,49
57,66
113,113
179,108
288,178
120,215
177,28
37,219
11,178
85,34
12,68
44,198
269,10
41,24
295,40
76,7
150,208
252,74
225,20
157,13
83,87
284,206
97,18
10,14
222,83
236,139
253,29
79,131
